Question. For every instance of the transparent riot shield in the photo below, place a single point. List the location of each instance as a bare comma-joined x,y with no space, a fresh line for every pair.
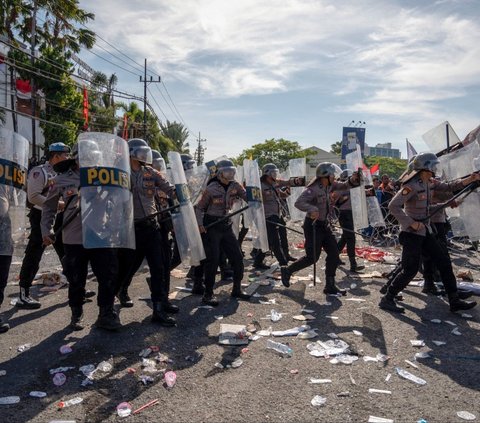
106,197
296,167
358,197
256,213
237,205
374,212
13,177
436,138
197,179
187,235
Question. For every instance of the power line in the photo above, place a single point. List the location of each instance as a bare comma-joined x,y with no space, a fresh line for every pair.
155,101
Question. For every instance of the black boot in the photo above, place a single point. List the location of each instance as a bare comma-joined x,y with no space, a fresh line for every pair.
77,317
198,288
88,294
354,267
108,319
209,299
384,288
291,258
191,273
124,298
331,288
456,304
285,276
168,307
161,317
464,294
260,266
429,287
25,301
388,303
238,293
4,326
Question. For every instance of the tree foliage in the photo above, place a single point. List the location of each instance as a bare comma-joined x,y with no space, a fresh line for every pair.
388,165
336,148
277,151
177,133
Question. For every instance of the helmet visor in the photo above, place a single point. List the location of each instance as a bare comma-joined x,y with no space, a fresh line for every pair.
228,173
143,154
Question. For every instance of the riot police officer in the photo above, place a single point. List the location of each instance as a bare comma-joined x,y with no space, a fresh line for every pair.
39,178
216,201
315,201
146,182
411,207
65,186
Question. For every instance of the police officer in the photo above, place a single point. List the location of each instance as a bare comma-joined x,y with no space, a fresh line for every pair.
187,161
146,182
315,201
65,187
411,207
270,184
6,247
216,201
345,218
37,188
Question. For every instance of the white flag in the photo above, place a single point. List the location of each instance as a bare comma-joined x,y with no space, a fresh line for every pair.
410,151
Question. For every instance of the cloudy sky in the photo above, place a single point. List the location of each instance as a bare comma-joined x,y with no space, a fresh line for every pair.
244,71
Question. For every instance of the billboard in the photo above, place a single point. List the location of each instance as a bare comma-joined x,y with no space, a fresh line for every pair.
350,138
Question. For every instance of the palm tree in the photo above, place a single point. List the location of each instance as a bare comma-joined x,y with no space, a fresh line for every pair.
177,133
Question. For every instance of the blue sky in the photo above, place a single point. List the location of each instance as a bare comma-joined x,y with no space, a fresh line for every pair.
244,71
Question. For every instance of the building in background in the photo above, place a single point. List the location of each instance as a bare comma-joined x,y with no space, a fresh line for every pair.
317,157
382,150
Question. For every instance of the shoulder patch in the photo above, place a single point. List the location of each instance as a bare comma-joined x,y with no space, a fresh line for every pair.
406,190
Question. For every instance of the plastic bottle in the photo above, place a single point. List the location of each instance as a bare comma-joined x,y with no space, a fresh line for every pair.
279,347
70,402
407,375
124,409
170,379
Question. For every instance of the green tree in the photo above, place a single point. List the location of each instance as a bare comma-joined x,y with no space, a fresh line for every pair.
388,165
278,151
102,105
177,133
336,148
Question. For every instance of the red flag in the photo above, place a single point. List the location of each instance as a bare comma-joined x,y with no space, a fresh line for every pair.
85,109
375,169
125,127
24,90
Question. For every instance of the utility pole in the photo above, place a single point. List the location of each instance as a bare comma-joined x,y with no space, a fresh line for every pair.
145,82
32,81
199,152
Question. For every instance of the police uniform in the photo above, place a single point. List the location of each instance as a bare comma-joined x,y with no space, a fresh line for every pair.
413,204
104,261
6,246
38,182
215,203
149,244
273,217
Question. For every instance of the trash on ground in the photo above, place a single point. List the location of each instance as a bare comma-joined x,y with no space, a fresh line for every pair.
439,343
291,332
374,274
303,317
436,321
332,335
244,350
104,366
279,347
70,402
170,378
60,370
373,419
450,323
275,316
237,363
470,286
331,317
421,355
38,394
9,400
328,348
411,364
124,409
379,358
379,391
357,300
344,359
319,381
87,370
145,352
417,343
270,301
456,332
219,317
343,394
388,377
3,372
309,334
294,372
409,376
59,379
357,332
180,294
148,404
465,275
65,349
205,307
465,415
232,334
318,401
178,273
145,379
466,315
24,347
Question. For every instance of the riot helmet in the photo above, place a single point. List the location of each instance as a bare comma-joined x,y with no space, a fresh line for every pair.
327,169
226,169
58,147
140,150
425,161
158,163
187,161
271,170
346,173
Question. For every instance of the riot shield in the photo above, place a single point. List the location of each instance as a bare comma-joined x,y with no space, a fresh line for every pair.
374,212
13,177
358,197
237,205
296,167
255,212
440,137
106,198
187,235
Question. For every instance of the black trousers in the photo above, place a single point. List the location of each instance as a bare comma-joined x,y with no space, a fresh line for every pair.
324,239
413,247
284,238
220,238
35,247
104,263
148,245
275,242
348,238
429,268
5,262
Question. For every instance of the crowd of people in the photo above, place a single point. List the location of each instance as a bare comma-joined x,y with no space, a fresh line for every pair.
67,202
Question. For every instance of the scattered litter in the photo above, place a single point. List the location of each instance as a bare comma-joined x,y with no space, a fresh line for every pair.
379,358
14,301
249,314
357,332
237,363
37,394
373,419
275,316
374,274
450,323
439,343
318,401
344,359
417,343
163,358
270,301
265,332
70,402
178,273
254,338
9,400
124,409
465,415
436,321
306,310
279,347
466,315
145,379
148,404
379,391
328,348
59,379
421,355
303,317
353,286
411,364
180,294
24,347
357,300
232,334
343,394
60,370
409,376
3,372
131,371
171,378
465,275
220,317
332,335
456,332
388,377
309,334
291,332
206,307
104,366
352,379
87,370
145,352
87,381
317,381
294,372
331,317
65,349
